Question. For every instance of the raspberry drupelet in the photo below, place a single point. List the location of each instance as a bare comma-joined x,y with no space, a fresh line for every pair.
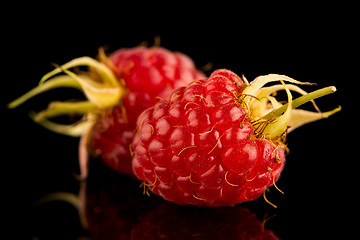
219,141
148,74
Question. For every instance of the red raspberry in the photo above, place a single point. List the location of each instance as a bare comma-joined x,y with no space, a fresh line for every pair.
148,73
212,142
118,89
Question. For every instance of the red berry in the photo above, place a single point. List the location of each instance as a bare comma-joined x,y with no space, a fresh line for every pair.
148,73
208,147
118,89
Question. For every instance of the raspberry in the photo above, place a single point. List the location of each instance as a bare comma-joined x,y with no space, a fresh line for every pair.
218,142
118,89
148,73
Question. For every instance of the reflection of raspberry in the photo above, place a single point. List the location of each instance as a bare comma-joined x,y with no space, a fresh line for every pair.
170,221
147,73
211,143
111,207
115,210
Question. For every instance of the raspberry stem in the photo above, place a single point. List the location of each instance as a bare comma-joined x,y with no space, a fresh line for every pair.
276,128
58,81
64,108
270,118
300,101
74,130
277,121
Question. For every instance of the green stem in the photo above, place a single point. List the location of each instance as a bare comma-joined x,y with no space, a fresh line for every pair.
59,81
64,108
300,101
106,74
73,130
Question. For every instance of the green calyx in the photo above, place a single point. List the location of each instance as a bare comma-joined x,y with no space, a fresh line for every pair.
100,86
270,118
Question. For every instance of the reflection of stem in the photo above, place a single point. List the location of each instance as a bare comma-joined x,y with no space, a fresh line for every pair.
59,196
82,204
266,218
77,201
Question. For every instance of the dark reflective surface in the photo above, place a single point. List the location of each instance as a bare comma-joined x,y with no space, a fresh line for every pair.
115,208
111,206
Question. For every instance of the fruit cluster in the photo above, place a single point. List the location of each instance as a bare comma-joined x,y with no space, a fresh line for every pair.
194,140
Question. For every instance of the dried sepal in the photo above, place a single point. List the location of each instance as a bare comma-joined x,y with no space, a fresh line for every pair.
272,119
100,86
56,82
300,117
276,129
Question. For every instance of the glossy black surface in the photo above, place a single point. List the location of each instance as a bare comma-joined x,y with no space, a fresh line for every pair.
318,179
115,208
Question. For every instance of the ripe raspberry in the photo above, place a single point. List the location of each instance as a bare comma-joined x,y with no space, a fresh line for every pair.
218,142
118,89
148,73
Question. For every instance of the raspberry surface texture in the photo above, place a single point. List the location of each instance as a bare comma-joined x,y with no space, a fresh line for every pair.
148,74
218,141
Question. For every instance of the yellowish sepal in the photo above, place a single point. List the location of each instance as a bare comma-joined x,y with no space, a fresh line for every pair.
73,130
275,129
300,117
104,93
58,81
272,119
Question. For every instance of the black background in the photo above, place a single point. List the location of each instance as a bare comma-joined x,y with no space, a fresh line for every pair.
308,45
